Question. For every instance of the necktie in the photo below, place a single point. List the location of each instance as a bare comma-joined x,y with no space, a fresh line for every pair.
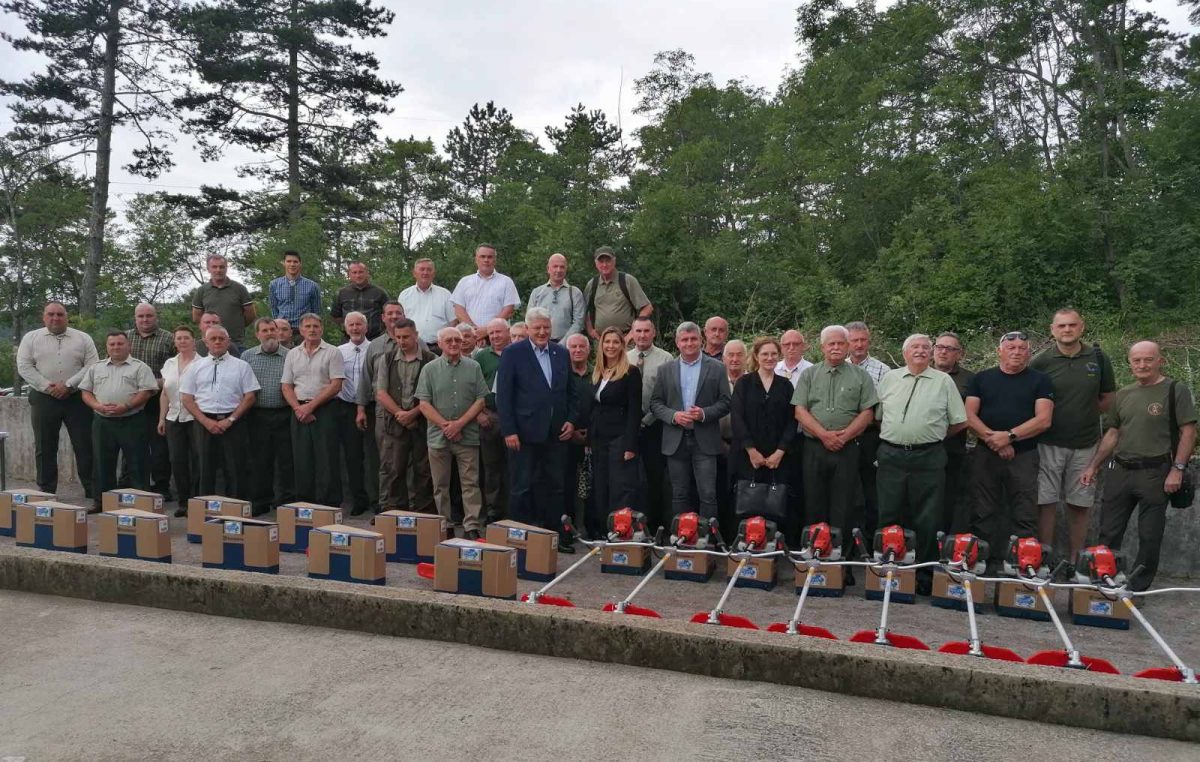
215,363
641,360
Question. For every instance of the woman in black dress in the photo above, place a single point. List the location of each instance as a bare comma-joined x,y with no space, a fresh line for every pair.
763,418
615,417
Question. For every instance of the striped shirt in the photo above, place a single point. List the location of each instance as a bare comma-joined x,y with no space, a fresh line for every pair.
292,299
154,350
268,369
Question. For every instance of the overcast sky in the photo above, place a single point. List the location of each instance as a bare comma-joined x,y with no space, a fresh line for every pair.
535,58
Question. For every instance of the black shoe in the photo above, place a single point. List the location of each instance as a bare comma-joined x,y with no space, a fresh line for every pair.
181,511
358,510
472,534
849,578
568,548
165,492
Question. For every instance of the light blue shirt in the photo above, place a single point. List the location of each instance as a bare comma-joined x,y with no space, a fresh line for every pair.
689,380
543,358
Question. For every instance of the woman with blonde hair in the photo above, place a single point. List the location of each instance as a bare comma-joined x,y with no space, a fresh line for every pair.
613,431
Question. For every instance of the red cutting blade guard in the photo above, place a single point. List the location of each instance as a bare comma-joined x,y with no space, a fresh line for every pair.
895,543
1161,673
626,525
1060,659
725,620
549,600
895,640
633,609
807,630
962,648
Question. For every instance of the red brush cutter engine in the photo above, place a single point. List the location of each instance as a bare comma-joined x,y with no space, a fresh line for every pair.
626,525
964,550
692,531
755,533
1027,556
821,541
1100,565
894,543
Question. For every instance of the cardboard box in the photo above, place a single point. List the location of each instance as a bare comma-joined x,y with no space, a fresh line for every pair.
1094,609
202,508
904,585
759,573
134,533
348,554
151,502
1021,601
411,537
948,594
475,568
537,548
9,500
625,560
690,566
233,542
53,526
296,520
827,581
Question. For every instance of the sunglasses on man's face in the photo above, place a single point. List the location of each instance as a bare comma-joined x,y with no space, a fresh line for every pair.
1014,336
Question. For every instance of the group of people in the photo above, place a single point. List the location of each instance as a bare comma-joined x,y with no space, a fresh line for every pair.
438,402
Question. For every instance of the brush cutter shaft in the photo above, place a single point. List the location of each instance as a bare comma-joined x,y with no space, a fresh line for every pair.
714,615
976,648
800,603
881,633
1073,659
545,588
645,580
1183,668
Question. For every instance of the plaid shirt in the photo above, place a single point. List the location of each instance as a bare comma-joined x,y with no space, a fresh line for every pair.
875,369
368,300
291,301
268,369
154,350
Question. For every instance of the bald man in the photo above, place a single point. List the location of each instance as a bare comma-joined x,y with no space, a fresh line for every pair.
716,333
563,301
154,346
1150,457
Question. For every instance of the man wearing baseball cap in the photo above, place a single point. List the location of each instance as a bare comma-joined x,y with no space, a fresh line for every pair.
613,298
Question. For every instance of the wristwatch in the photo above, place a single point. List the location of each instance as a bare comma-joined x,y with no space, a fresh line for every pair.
231,418
1012,437
1179,466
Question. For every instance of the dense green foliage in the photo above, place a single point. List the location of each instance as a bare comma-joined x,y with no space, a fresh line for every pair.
942,164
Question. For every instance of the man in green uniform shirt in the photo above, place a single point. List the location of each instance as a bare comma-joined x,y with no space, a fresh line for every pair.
117,390
1145,469
834,401
919,407
1083,389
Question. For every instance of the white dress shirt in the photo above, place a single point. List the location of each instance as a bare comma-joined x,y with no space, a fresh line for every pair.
429,309
792,374
353,356
484,298
218,384
650,362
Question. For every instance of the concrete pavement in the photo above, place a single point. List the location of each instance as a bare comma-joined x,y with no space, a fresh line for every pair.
103,681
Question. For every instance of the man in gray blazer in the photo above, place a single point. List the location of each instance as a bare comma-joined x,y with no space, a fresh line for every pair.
690,397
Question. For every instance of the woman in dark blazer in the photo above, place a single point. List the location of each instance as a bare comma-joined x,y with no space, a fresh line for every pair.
763,418
613,430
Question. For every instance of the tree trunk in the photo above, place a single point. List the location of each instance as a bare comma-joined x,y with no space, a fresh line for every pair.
293,125
99,211
18,312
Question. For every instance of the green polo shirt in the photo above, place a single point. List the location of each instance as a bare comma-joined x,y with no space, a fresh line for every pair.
918,409
835,394
1142,415
452,389
116,383
489,363
612,308
1078,383
228,301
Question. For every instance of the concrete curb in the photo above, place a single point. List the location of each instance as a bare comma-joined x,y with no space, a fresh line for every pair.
1101,702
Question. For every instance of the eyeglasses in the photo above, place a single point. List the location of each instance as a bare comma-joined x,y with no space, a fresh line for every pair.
946,348
1014,336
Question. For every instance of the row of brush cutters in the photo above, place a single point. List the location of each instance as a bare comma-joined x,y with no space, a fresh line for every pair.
962,558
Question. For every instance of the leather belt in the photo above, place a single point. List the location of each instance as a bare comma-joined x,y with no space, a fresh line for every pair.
910,447
1136,464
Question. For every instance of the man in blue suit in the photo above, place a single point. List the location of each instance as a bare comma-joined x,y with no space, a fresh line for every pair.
537,405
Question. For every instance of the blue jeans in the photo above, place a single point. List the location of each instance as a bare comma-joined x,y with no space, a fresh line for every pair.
689,466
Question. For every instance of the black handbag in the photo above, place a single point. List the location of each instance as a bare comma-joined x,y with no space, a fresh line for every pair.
766,499
1186,494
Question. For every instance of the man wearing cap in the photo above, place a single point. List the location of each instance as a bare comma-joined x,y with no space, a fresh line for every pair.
484,294
1008,406
117,390
563,301
613,298
219,390
919,407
